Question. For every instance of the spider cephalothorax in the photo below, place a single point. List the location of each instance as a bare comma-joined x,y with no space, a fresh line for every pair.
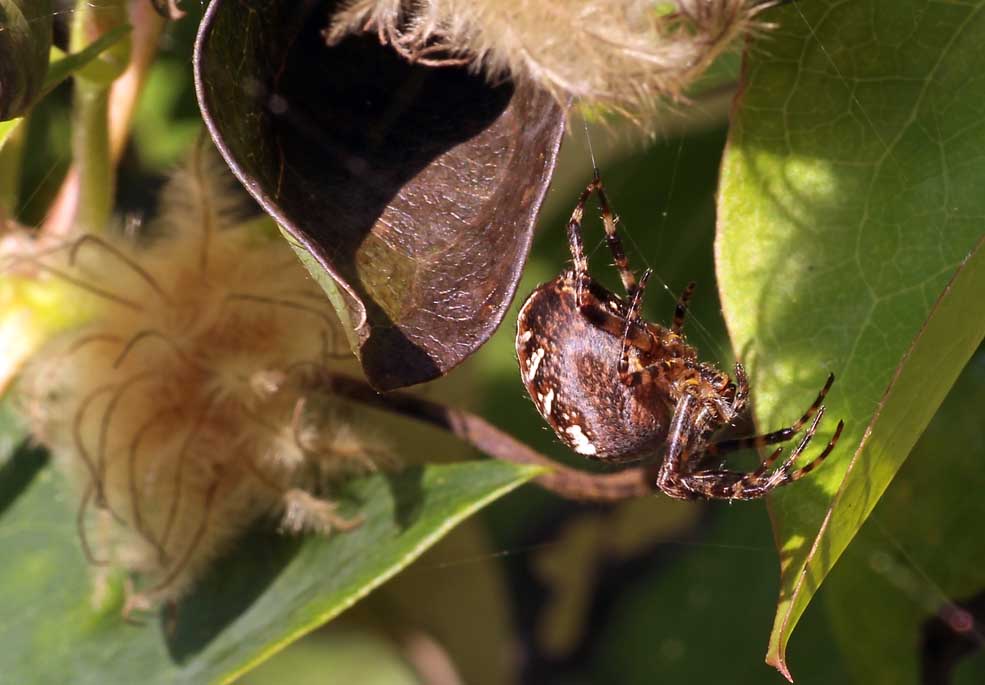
617,388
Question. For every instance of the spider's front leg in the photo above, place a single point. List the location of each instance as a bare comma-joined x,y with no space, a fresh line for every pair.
676,480
781,435
671,476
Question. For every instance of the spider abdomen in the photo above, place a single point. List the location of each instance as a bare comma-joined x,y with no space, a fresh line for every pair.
569,367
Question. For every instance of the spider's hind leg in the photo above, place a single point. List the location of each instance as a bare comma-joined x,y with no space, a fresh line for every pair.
605,314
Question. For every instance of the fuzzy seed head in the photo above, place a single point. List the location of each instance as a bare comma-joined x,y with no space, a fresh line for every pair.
187,407
627,55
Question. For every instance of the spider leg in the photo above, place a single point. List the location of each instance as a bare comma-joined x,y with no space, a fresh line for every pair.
605,319
609,222
575,245
782,435
671,478
741,390
732,485
680,310
632,317
649,374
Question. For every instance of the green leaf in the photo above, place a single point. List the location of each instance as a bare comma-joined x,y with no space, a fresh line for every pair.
12,431
63,66
67,64
350,655
25,38
271,591
7,128
850,193
920,557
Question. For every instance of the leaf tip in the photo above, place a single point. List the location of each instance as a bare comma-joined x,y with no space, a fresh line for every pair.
779,662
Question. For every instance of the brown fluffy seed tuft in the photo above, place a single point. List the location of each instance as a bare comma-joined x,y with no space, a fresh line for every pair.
187,407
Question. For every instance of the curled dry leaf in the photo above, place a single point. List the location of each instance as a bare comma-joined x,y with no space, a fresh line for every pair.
410,190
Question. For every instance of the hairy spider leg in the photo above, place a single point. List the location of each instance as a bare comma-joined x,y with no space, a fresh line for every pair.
723,484
816,461
669,477
781,435
633,319
603,318
728,410
609,222
674,479
680,310
741,390
758,483
583,279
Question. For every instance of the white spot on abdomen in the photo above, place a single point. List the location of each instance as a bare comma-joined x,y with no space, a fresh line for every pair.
579,441
534,362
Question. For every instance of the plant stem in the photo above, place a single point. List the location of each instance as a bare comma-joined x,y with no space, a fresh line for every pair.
476,431
90,124
11,155
147,26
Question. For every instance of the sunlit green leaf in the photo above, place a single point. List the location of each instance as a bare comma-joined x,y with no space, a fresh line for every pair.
851,192
7,128
920,558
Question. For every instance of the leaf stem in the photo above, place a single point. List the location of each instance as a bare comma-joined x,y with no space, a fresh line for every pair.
476,431
90,119
11,155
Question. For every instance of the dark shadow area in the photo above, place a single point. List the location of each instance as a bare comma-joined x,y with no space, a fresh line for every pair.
414,186
948,638
231,587
18,471
407,490
611,577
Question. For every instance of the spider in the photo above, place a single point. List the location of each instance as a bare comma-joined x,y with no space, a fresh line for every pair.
620,389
